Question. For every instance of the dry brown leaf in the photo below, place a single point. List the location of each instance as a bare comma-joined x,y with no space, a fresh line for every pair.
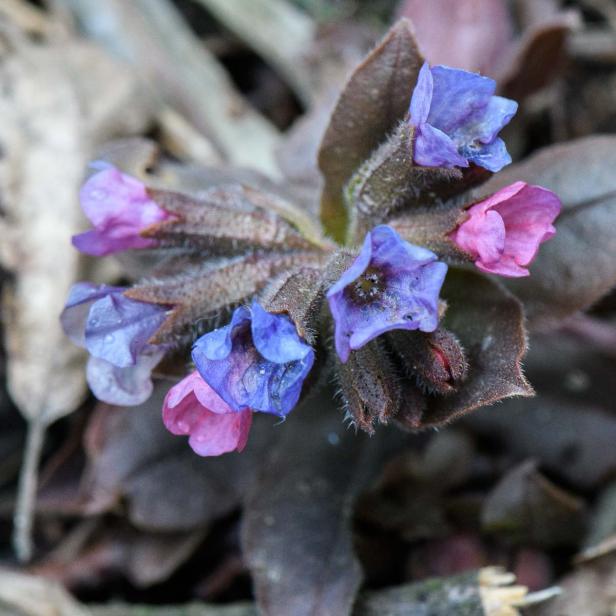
52,114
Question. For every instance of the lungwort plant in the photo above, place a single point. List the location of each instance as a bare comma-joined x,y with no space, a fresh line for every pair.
397,292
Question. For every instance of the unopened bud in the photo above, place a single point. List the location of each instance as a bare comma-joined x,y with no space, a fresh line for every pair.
436,359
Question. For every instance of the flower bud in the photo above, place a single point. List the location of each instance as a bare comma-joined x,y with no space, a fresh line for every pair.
436,359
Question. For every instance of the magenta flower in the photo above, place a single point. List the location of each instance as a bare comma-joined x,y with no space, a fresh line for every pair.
119,208
258,361
115,330
457,119
193,408
503,232
391,285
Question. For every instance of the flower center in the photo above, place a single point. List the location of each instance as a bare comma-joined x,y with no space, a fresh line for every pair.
368,286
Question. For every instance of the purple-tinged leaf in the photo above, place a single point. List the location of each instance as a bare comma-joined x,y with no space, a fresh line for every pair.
200,292
223,220
297,521
166,487
527,508
374,100
489,323
470,34
570,440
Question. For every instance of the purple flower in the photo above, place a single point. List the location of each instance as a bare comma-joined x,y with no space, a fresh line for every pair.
193,408
391,285
115,331
119,208
257,361
503,232
457,119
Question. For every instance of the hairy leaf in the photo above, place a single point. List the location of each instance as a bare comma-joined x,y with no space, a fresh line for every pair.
578,266
488,322
223,220
374,100
199,292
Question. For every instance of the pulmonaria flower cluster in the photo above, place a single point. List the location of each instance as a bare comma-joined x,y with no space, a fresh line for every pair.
390,285
119,209
115,330
457,119
281,296
503,232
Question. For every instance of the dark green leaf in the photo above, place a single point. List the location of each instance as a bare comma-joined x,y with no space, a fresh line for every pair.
572,441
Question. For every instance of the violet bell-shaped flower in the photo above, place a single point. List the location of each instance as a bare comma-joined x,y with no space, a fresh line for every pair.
257,361
392,284
457,119
119,208
192,408
503,232
115,330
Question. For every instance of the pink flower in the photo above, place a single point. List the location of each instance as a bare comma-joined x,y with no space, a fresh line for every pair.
119,208
503,232
193,408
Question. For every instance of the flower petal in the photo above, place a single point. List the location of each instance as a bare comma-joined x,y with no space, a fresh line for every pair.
422,96
433,148
492,156
118,328
80,299
457,97
127,386
275,336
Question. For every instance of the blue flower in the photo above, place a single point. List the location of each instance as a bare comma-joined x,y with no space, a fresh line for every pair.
390,285
457,119
257,361
115,330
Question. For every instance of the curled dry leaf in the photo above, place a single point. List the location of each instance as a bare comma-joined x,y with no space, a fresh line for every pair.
374,100
578,266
